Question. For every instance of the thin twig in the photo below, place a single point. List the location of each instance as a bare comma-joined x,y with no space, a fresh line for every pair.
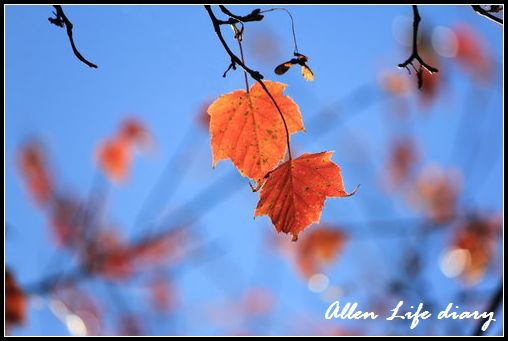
239,39
255,15
60,20
483,12
414,55
61,279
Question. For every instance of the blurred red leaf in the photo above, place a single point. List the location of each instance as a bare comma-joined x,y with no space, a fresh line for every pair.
115,155
109,256
203,118
431,86
319,247
134,132
160,249
33,167
401,161
437,192
15,302
472,53
478,237
258,301
114,258
395,83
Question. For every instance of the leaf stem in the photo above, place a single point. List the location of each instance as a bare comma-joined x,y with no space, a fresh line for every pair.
281,116
239,39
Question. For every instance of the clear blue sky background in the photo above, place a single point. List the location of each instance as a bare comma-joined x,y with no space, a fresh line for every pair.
162,63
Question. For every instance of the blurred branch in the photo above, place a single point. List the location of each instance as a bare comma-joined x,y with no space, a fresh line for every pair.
414,55
204,200
51,282
61,20
494,304
201,253
170,179
488,13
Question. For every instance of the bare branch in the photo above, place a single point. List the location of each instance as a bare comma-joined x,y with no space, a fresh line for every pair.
487,14
414,55
60,20
255,15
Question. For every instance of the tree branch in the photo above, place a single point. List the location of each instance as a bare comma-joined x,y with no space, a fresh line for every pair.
234,59
61,20
487,14
255,15
414,55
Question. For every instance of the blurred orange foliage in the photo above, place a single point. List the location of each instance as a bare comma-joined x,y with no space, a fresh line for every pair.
33,167
436,193
472,53
115,155
401,161
319,247
478,236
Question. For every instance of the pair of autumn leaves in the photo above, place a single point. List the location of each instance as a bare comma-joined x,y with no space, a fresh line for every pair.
247,128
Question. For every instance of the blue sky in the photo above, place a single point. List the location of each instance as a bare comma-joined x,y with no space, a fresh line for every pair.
162,63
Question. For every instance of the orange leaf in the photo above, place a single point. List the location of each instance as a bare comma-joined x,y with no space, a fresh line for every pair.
294,193
247,128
